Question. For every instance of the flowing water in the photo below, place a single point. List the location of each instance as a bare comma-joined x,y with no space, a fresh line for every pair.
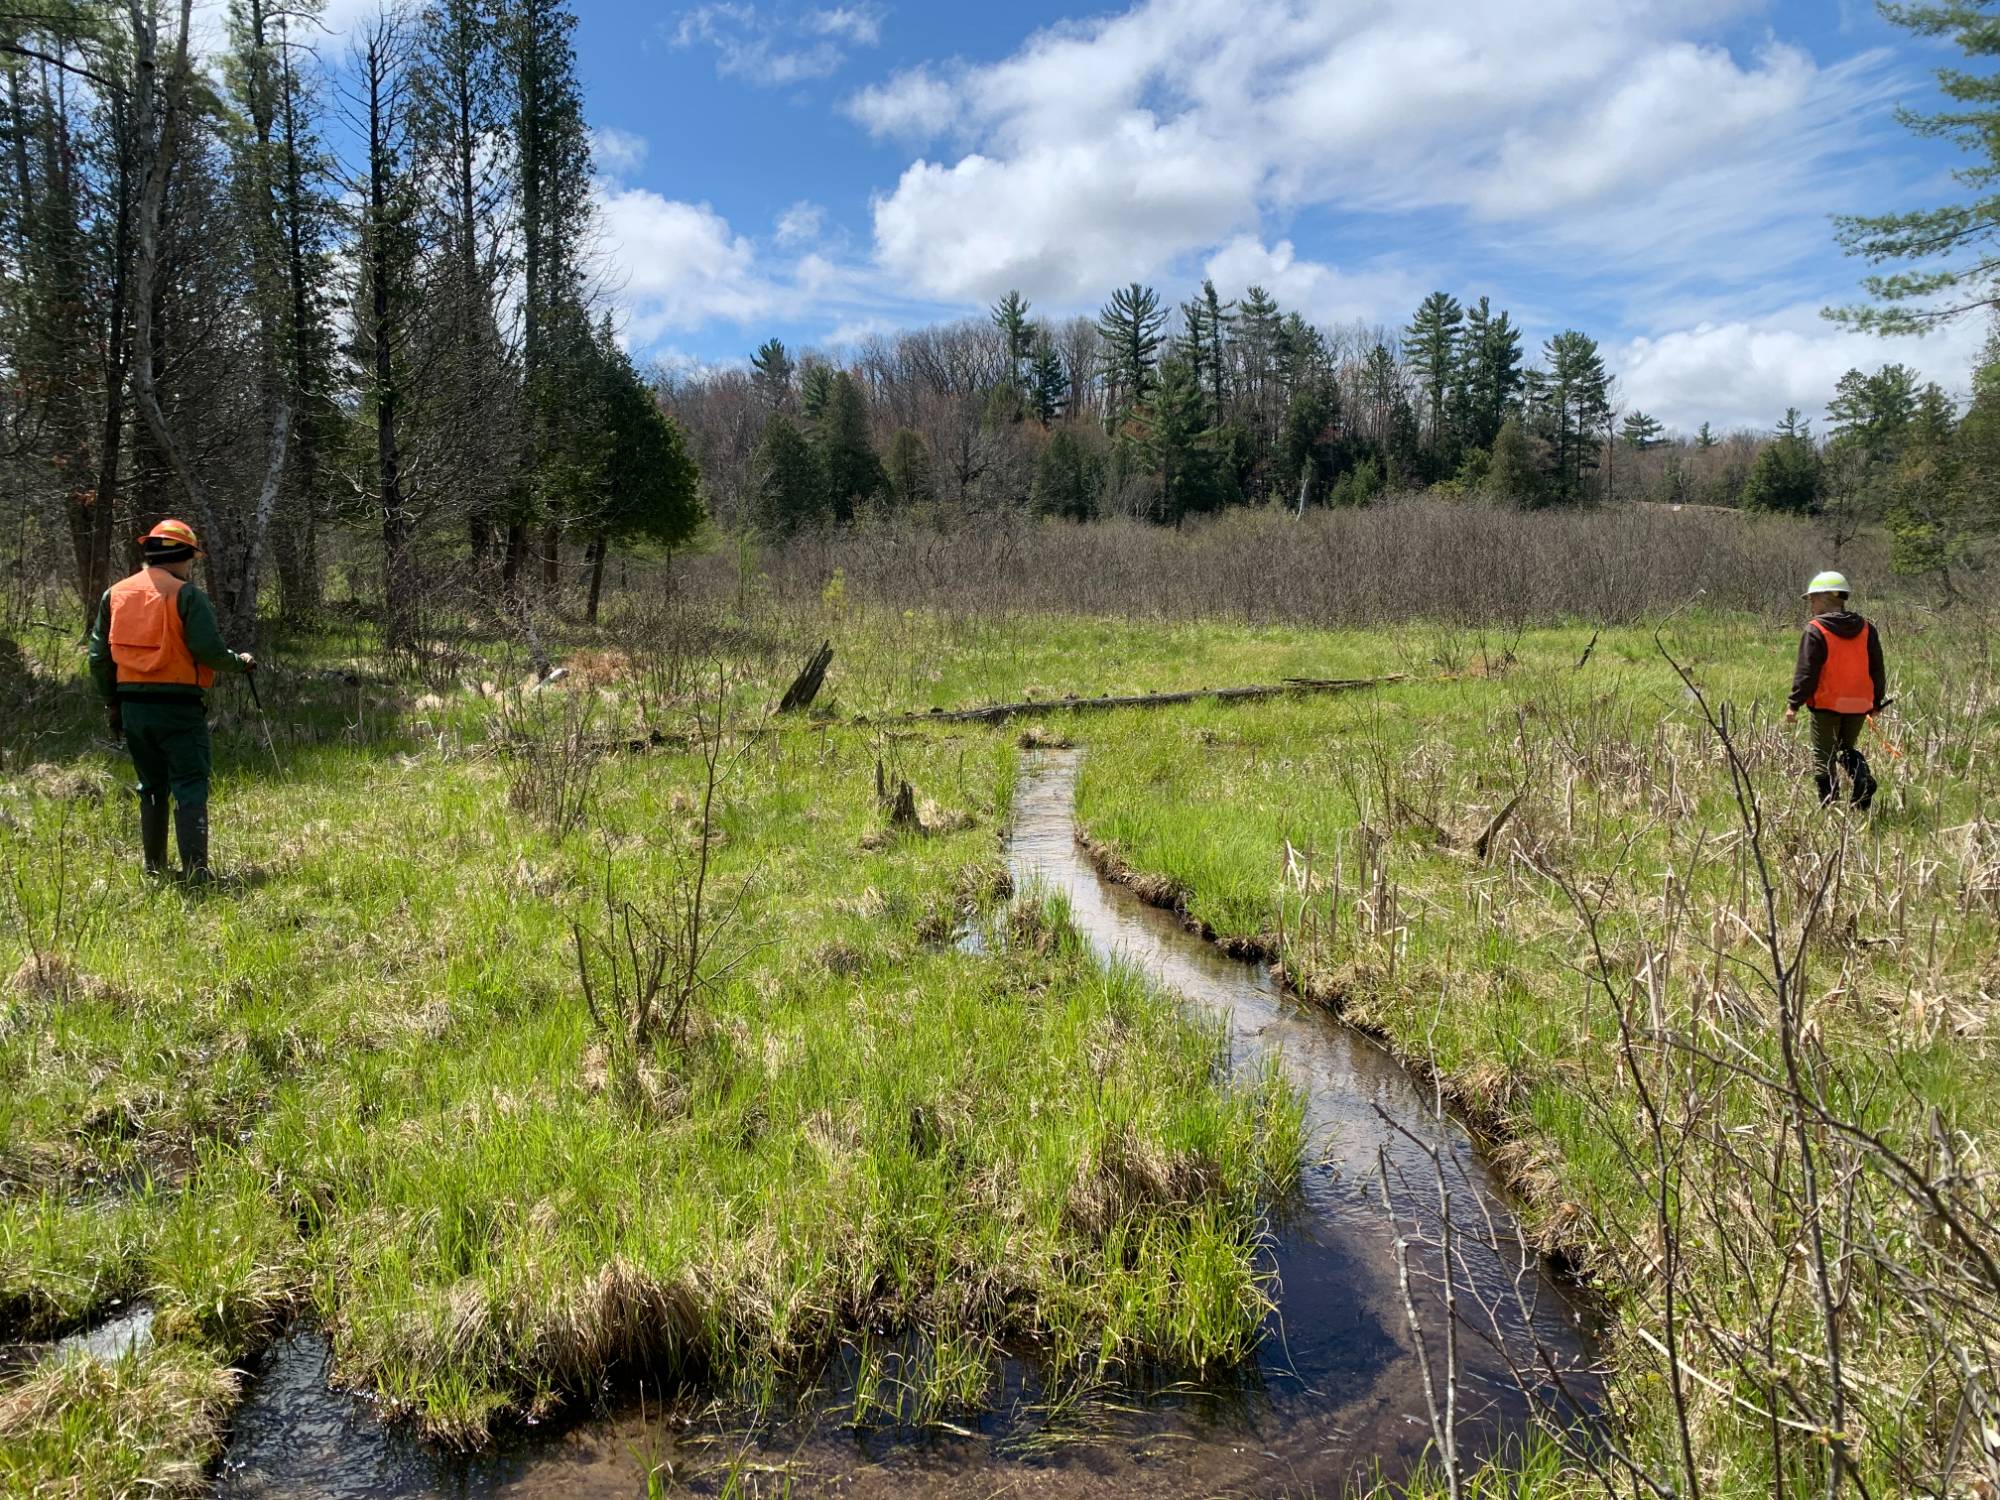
1337,1391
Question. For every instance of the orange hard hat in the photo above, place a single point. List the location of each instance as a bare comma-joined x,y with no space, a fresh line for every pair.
172,533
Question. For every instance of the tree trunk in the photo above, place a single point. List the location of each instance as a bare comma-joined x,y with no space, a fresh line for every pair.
551,557
396,592
597,550
517,553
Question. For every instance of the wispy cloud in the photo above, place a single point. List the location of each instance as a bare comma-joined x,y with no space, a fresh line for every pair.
772,51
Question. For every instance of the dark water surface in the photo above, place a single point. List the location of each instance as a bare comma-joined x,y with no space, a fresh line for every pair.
1335,1393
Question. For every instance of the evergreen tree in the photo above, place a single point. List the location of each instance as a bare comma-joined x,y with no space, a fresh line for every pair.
1048,381
791,482
1431,346
1490,373
1217,319
1641,431
1786,476
1069,475
1309,448
771,370
1182,443
1705,438
908,469
853,472
1575,409
1010,316
1513,467
1948,251
815,390
1875,411
552,152
1130,327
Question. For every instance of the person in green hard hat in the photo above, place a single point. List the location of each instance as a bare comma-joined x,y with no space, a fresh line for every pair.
1840,678
154,650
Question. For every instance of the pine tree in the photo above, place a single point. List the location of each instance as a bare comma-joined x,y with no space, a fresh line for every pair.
791,482
1431,348
1309,448
908,469
1010,316
552,151
1130,326
1514,469
1576,408
1048,381
1069,475
1875,411
1786,475
1181,442
1217,318
853,472
1641,431
771,370
815,390
1948,251
1705,438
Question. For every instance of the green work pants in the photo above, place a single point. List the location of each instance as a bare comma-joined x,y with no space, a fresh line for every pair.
1833,733
170,749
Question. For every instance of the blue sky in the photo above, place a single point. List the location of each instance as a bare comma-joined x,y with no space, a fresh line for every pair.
1658,173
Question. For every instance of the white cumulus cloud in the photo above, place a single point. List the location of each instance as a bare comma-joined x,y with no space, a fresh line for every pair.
1744,373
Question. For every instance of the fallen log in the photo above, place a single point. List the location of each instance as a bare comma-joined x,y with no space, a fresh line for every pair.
994,712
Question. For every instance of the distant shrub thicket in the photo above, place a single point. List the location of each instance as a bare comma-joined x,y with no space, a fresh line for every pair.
1412,558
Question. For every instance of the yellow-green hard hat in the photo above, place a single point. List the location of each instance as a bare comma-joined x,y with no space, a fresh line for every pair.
1828,583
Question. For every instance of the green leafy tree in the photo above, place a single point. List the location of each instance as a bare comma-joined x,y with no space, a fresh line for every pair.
1948,253
1641,431
1069,477
791,492
1130,327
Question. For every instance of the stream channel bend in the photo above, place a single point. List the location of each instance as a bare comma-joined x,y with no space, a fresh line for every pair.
1335,1394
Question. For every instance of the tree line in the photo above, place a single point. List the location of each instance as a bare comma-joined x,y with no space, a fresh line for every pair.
1149,411
279,292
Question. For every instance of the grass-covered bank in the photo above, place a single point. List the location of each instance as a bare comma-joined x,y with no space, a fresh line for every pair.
1596,990
361,1083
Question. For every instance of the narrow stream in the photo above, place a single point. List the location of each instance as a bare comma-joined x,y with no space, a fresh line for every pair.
1335,1394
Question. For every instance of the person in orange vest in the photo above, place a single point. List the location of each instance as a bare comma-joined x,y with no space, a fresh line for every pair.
154,651
1840,677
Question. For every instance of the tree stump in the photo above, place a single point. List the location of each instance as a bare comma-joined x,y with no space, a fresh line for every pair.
805,687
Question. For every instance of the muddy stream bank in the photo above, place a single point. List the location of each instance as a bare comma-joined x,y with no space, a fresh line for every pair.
1335,1393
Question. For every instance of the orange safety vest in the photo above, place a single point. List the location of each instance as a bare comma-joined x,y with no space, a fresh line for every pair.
1845,684
147,640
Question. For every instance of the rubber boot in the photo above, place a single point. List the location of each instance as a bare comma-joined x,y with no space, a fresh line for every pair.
191,833
1863,778
153,833
1824,781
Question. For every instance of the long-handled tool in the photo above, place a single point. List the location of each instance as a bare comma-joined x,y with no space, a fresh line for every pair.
264,719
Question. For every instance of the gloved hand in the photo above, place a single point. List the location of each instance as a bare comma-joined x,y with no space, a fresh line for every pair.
248,661
115,721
